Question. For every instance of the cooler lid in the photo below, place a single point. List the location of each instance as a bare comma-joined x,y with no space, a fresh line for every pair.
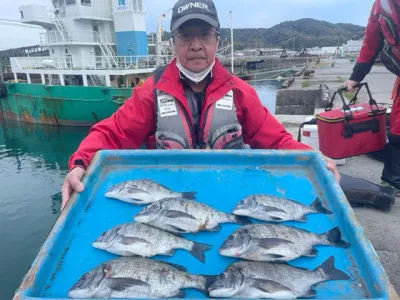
359,111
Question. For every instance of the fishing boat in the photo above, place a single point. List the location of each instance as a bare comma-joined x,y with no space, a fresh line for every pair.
98,51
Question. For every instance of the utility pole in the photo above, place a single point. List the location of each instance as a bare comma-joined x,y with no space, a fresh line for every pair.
293,42
232,59
159,36
1,73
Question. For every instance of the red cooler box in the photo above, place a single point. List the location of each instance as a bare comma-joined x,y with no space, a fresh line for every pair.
353,129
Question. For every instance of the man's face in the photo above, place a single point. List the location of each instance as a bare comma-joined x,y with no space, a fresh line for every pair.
195,45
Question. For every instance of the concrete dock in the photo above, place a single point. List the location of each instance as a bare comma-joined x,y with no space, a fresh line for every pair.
382,228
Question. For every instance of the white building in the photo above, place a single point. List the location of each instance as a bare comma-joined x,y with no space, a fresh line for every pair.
353,46
89,38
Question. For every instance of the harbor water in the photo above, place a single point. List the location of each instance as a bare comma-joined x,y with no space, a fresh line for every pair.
33,164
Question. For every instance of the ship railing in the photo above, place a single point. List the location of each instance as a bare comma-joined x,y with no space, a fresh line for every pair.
119,63
74,36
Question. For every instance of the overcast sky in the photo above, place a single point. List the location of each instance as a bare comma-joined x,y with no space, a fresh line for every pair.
246,14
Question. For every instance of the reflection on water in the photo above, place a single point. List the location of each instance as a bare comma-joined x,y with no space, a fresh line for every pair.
266,91
33,164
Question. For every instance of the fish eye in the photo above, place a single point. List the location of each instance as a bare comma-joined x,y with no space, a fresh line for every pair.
106,270
230,239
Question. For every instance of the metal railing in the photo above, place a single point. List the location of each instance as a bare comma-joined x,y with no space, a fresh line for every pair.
119,63
60,28
74,36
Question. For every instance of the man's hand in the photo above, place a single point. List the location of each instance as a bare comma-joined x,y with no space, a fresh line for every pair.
331,165
72,183
350,85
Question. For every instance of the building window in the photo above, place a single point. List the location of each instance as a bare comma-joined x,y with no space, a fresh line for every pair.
70,2
121,3
86,2
66,51
52,51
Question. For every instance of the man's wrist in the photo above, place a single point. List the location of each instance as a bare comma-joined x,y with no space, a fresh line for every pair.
79,163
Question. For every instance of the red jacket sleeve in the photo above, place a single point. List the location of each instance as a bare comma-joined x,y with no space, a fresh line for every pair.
372,46
127,128
261,130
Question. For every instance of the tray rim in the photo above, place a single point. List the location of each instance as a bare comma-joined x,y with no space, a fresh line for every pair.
311,156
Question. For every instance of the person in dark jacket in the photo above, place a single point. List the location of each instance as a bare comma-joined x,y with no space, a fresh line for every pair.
382,36
192,103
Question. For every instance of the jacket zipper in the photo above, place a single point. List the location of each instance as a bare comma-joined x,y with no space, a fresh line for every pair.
201,141
203,117
191,129
389,24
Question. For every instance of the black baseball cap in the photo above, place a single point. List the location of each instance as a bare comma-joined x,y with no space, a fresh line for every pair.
185,10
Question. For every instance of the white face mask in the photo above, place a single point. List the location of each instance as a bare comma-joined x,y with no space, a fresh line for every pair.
192,76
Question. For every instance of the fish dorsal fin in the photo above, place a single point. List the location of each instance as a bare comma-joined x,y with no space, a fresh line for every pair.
269,243
120,283
269,286
150,181
178,267
178,214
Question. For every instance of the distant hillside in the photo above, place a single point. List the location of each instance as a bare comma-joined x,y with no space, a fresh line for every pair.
305,32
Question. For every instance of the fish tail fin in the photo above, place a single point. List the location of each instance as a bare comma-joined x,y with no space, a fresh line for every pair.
210,279
334,237
330,272
198,250
203,284
318,206
189,195
241,220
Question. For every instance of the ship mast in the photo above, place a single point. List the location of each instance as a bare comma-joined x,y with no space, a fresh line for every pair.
159,34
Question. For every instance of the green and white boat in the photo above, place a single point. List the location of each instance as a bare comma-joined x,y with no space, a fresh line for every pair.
98,49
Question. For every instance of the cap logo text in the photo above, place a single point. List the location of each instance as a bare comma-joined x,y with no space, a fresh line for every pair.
192,5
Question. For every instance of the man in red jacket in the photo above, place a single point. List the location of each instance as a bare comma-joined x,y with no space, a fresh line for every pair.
192,103
382,36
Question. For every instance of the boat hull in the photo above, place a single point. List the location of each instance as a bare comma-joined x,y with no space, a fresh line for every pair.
60,105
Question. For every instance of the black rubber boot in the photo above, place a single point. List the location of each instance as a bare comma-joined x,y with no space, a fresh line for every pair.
391,171
360,192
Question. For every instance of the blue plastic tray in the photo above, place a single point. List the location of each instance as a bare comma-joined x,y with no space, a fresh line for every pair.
221,180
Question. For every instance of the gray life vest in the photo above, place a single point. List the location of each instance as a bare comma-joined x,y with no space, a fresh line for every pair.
220,128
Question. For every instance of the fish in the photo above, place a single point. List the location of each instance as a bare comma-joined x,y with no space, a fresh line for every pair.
137,277
277,243
185,216
144,191
249,279
276,209
140,239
